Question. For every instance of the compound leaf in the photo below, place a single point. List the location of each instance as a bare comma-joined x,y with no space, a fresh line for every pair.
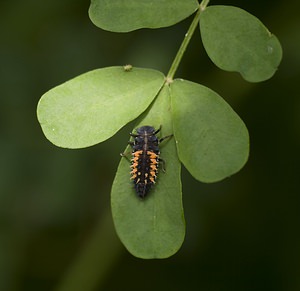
212,140
237,41
94,106
152,227
128,15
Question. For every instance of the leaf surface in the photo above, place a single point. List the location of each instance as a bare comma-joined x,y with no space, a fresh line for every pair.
237,41
152,227
94,106
128,15
212,140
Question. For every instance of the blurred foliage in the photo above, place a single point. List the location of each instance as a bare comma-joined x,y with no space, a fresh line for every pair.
242,233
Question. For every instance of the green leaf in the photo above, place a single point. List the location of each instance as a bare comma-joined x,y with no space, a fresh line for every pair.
153,227
237,41
94,106
212,140
128,15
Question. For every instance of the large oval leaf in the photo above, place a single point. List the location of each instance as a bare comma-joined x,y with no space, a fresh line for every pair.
212,140
153,227
124,16
94,106
237,41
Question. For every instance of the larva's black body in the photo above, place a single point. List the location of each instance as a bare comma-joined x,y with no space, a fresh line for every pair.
145,159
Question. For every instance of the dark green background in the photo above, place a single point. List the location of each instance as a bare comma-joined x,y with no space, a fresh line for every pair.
242,233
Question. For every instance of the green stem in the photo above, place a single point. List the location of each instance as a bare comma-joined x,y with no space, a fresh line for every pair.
96,259
186,41
203,4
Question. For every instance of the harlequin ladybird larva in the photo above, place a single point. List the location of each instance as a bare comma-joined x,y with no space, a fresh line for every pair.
145,159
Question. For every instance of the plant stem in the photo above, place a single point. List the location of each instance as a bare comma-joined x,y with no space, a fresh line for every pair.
203,4
94,262
186,41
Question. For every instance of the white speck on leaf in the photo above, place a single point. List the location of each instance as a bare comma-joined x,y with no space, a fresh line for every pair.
270,50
